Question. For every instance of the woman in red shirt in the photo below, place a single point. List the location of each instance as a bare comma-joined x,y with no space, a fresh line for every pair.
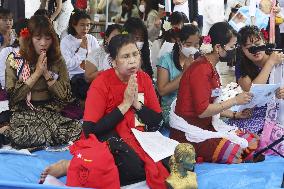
118,100
199,87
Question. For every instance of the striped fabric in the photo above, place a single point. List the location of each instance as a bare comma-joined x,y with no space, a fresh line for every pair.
23,71
228,152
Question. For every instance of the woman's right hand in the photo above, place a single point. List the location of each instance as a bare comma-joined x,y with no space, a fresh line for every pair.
41,65
243,98
131,89
84,43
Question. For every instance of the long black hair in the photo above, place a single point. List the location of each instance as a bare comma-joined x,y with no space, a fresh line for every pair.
18,26
150,5
130,4
74,19
184,34
221,33
178,18
247,67
110,29
136,25
51,6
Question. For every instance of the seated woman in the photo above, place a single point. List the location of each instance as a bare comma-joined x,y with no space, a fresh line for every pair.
172,65
116,100
128,10
4,110
253,68
151,17
75,48
137,28
99,59
7,34
38,86
166,41
195,106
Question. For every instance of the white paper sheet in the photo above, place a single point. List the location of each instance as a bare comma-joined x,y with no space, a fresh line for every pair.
262,94
51,180
155,144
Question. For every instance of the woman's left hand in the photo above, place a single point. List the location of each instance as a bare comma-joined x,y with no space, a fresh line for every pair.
247,113
280,93
136,104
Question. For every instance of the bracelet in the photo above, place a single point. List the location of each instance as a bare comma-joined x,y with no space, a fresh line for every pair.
234,115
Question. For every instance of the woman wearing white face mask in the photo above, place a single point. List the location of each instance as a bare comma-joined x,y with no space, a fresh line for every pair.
172,65
138,30
150,14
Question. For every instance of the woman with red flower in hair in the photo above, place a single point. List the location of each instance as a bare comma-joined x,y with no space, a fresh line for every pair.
38,86
254,68
99,59
196,116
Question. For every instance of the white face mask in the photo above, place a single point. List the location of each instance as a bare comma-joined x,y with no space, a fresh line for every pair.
189,51
139,45
142,8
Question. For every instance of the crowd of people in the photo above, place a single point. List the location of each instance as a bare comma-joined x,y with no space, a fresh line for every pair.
64,84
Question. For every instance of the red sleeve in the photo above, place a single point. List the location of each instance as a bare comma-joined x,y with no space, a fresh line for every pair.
95,105
200,85
151,99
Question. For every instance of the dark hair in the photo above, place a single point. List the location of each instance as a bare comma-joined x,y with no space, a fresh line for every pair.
169,35
5,13
18,26
39,25
130,4
74,19
184,34
221,33
110,29
150,5
247,67
51,5
117,42
135,25
177,18
42,12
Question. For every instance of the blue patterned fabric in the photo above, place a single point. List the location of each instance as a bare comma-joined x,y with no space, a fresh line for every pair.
254,124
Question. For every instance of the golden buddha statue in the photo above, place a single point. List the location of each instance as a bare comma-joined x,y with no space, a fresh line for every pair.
182,168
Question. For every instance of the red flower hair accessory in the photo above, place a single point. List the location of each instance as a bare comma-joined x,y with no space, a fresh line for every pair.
24,33
207,39
265,34
206,46
102,34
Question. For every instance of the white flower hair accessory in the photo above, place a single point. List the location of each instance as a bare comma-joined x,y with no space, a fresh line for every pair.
167,26
13,62
206,46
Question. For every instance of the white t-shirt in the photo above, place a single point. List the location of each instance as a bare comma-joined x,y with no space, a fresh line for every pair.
73,54
100,59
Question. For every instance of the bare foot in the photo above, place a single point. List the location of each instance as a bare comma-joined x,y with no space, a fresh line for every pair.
57,170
